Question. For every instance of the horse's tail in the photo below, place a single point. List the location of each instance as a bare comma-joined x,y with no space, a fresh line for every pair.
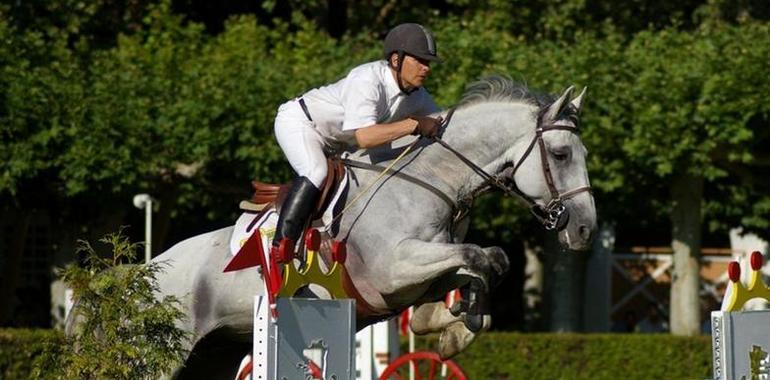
73,320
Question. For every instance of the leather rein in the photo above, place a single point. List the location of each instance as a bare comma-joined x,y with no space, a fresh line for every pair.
552,216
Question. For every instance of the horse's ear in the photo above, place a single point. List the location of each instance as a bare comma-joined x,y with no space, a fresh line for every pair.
555,109
578,102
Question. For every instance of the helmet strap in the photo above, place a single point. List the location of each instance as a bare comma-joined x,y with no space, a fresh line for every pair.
401,56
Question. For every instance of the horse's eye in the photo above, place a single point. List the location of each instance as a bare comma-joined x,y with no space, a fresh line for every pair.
560,155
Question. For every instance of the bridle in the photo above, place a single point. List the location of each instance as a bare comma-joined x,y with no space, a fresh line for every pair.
554,215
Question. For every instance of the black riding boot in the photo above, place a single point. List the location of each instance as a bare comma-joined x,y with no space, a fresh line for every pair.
296,210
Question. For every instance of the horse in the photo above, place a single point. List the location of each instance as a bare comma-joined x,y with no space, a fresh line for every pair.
405,233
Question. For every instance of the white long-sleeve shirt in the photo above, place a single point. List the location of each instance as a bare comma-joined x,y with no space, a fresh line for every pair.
368,95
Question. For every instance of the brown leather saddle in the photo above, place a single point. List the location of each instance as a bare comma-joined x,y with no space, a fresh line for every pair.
267,195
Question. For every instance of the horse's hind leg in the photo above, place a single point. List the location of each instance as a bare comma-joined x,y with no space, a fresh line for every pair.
216,355
474,305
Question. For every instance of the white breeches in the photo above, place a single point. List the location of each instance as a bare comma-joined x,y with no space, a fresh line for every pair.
300,142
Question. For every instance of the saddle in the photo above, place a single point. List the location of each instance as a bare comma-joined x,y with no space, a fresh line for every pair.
267,195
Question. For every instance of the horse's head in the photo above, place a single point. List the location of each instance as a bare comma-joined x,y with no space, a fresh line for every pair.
551,171
528,145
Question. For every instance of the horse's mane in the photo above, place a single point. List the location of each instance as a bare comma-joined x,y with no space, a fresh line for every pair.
500,88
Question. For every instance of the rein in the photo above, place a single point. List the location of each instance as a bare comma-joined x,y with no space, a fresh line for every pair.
552,216
404,176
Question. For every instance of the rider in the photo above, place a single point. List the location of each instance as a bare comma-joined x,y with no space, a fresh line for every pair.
376,103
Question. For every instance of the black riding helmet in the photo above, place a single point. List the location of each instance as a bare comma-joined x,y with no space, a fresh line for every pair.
413,39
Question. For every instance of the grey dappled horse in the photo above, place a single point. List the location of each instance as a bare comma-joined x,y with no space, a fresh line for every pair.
403,246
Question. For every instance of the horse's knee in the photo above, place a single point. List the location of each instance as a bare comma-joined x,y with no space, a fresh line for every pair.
498,259
498,263
477,260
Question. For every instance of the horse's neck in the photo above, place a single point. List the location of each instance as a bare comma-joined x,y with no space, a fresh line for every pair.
484,134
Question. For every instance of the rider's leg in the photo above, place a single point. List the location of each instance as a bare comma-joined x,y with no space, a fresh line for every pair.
303,147
296,210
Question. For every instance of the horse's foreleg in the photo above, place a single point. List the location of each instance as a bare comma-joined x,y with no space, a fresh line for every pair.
435,317
416,262
482,267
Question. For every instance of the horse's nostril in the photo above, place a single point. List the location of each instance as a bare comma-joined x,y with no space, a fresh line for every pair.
585,232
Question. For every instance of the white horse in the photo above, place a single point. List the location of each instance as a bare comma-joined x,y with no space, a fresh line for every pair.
404,238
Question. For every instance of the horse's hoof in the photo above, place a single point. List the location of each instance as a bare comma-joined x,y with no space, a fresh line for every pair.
420,327
458,308
474,322
421,322
478,322
430,318
487,322
453,340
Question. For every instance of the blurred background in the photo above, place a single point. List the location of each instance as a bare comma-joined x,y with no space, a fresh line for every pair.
105,99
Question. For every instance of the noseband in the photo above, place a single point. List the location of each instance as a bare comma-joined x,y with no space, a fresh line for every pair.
554,215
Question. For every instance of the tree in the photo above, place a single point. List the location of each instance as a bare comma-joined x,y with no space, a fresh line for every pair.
124,332
40,93
686,121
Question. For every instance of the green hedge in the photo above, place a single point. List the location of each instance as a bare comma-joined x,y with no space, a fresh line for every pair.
18,349
497,356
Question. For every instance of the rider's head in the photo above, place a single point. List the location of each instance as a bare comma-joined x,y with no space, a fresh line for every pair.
409,50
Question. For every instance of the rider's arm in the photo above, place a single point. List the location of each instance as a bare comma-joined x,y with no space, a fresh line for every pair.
361,99
378,134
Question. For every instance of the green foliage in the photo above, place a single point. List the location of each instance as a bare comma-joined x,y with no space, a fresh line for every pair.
167,106
693,95
124,332
659,103
87,24
19,349
41,89
540,19
592,356
498,355
144,88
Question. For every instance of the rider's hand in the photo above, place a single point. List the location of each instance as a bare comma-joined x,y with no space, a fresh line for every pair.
426,126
